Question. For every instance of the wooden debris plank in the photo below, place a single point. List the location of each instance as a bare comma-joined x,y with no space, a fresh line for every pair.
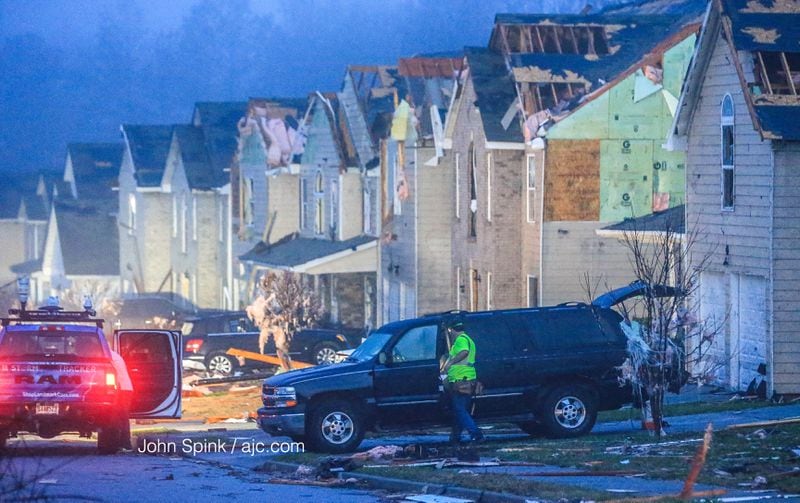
265,358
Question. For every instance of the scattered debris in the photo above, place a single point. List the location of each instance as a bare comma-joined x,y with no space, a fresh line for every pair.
379,453
790,420
757,435
434,498
583,473
640,449
309,482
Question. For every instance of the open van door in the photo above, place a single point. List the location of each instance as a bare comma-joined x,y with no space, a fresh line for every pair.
153,358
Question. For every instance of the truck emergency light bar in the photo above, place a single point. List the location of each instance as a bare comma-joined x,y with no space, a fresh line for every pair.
51,315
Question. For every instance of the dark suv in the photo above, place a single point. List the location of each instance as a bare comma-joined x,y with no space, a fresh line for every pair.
548,369
208,336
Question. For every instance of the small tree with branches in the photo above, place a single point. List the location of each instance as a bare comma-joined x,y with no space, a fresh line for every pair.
668,338
283,305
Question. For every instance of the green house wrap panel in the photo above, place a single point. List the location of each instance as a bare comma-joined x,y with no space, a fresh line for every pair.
634,120
626,179
588,123
676,61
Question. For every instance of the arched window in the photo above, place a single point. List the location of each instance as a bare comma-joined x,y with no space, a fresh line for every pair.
728,151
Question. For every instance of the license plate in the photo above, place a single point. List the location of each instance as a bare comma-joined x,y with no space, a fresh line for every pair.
47,408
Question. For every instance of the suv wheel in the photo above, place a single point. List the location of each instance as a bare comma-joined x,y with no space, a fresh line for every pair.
222,364
336,426
568,411
109,439
324,353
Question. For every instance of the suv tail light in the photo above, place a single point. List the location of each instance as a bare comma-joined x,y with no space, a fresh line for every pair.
193,345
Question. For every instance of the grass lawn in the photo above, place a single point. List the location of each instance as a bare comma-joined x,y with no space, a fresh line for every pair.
758,458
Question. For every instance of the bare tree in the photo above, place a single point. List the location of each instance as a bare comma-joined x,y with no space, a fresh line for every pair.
668,338
283,305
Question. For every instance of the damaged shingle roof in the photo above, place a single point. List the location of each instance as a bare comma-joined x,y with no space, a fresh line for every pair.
768,26
294,251
633,39
149,147
496,92
764,25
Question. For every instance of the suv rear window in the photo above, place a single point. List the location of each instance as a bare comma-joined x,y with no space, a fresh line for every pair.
36,343
562,329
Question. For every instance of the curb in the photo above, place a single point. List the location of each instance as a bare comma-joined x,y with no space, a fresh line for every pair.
391,484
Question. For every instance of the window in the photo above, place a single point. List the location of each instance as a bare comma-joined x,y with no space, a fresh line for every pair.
418,344
728,151
131,213
533,291
184,217
530,175
221,220
474,292
251,203
367,210
319,192
303,203
488,290
458,181
334,209
489,187
174,217
473,193
459,287
194,218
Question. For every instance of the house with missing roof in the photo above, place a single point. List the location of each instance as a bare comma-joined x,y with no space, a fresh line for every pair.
737,124
197,180
415,253
265,179
81,248
597,95
330,249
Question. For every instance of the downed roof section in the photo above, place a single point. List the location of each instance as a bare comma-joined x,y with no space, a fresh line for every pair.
149,147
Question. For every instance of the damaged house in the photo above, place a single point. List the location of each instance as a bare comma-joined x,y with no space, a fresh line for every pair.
24,206
737,123
598,93
414,271
265,180
334,243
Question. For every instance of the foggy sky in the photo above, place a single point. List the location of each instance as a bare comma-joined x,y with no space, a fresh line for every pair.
74,70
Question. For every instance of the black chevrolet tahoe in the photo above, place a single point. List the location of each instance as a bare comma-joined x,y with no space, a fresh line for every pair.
548,369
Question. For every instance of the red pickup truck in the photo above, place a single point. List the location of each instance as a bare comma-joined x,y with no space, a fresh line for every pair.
57,375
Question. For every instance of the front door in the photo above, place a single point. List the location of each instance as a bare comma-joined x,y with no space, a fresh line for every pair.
153,359
407,384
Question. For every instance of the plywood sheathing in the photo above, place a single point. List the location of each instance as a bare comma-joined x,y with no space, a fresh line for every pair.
762,36
538,75
776,7
572,180
777,99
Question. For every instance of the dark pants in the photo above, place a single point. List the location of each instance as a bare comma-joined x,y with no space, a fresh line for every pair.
461,419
